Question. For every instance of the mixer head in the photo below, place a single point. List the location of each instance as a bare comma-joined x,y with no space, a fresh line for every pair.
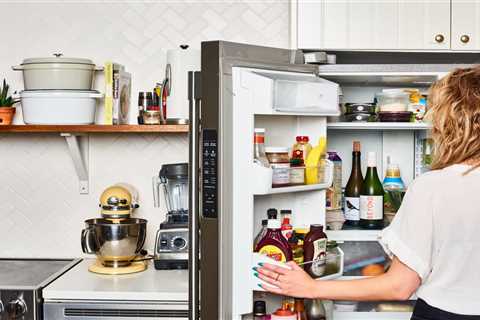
117,202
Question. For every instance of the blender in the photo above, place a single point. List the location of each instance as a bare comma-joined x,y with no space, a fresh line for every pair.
171,244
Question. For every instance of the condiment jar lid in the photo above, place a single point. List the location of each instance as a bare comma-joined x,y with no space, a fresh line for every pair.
302,139
276,150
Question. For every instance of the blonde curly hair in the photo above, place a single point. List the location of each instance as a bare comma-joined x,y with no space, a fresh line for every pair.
454,110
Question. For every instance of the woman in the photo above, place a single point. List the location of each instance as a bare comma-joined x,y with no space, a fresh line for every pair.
434,240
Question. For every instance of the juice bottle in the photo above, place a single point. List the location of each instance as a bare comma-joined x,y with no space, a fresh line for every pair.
274,244
315,251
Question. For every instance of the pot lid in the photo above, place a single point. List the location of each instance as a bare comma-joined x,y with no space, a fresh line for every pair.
57,58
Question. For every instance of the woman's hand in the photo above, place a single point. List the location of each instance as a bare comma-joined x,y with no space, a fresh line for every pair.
293,282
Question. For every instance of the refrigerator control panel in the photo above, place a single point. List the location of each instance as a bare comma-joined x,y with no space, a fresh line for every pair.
209,173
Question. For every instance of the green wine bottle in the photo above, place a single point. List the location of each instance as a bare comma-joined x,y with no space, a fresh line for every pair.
353,189
371,197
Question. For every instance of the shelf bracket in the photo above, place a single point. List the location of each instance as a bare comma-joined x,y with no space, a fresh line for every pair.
76,149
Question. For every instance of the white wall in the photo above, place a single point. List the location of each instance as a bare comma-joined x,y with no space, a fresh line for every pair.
41,211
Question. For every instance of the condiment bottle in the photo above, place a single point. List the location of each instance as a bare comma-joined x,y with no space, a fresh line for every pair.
297,248
259,310
301,148
286,228
315,251
297,172
284,313
259,155
260,234
300,309
274,244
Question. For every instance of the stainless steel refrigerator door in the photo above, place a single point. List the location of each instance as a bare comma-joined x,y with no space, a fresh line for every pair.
215,170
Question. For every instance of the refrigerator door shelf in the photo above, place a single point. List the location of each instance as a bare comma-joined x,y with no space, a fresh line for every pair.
259,258
263,183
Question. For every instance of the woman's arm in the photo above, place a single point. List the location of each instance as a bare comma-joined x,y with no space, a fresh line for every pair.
399,283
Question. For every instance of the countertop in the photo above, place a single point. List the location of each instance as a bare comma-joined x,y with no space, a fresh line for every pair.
149,285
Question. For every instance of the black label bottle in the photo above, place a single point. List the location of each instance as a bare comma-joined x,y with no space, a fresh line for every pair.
353,189
371,197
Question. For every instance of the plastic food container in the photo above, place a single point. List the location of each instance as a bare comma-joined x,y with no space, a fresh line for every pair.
395,116
360,108
359,117
393,101
57,73
59,106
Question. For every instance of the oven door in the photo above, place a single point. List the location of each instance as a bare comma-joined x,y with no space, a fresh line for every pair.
115,310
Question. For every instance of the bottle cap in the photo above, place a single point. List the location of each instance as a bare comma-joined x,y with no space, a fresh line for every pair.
259,308
356,146
273,224
259,130
302,139
285,211
272,213
371,159
316,227
264,222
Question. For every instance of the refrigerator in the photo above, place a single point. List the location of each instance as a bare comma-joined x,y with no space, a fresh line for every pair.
241,87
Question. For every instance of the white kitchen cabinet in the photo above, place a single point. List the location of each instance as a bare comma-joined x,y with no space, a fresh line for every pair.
466,25
373,24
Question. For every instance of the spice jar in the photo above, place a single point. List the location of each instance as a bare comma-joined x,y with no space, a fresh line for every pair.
280,163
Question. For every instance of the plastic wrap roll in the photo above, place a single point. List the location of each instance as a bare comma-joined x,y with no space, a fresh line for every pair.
181,61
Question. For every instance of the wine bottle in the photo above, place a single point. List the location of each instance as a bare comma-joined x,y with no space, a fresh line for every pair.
353,189
371,197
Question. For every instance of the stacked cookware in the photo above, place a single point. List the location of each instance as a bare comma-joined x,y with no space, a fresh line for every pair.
359,112
58,90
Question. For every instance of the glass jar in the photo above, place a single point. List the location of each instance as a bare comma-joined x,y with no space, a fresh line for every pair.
280,163
297,172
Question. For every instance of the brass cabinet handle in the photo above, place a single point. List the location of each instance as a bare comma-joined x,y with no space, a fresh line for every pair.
464,38
439,38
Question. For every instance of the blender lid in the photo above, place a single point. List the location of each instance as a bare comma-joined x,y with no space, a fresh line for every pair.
174,171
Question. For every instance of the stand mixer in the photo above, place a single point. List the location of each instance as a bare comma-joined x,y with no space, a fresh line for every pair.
171,244
116,239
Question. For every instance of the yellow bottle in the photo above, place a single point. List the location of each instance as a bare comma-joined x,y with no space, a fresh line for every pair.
314,163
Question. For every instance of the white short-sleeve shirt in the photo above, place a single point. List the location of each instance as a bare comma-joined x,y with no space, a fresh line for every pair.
436,232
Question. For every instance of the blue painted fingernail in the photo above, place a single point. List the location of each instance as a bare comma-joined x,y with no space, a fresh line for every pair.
259,285
255,274
260,264
254,269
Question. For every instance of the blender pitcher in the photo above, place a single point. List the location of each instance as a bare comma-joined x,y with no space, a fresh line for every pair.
174,181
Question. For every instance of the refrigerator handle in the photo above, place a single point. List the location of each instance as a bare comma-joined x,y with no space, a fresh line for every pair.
194,96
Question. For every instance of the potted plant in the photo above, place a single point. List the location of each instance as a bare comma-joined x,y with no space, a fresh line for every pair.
7,110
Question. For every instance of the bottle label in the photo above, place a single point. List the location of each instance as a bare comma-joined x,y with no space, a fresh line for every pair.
273,252
281,173
371,207
352,208
319,257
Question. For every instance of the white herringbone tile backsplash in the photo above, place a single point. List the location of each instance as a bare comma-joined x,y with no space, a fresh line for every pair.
41,210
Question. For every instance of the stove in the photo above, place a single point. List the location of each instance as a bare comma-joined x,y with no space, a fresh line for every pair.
22,282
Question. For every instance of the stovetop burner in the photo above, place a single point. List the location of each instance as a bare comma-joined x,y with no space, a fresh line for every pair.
29,273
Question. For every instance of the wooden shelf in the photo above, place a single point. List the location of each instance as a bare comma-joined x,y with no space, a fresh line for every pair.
95,128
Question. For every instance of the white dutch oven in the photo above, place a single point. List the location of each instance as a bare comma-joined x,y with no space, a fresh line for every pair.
57,73
59,106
